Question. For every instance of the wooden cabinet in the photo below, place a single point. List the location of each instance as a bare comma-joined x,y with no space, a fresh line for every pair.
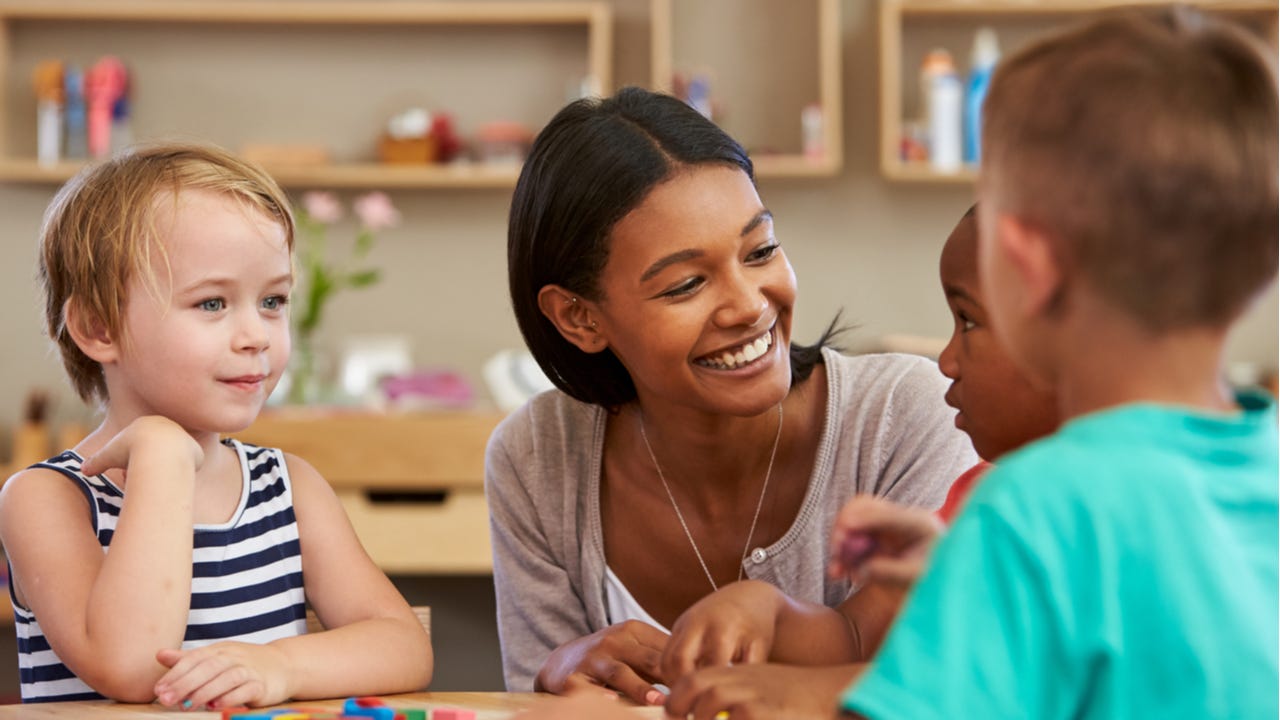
412,484
910,28
737,42
327,72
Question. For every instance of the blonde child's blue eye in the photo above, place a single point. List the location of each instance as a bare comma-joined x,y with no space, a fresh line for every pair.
212,304
275,302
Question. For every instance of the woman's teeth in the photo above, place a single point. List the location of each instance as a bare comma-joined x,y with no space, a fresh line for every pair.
732,359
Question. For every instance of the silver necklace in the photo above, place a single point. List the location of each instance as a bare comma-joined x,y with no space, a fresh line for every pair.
679,515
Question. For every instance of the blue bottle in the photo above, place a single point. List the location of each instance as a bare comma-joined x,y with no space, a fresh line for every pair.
986,53
74,113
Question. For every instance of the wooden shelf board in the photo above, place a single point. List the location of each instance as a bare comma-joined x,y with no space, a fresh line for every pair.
353,175
371,12
1059,7
375,175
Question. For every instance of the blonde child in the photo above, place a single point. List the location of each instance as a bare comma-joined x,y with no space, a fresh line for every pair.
1125,566
156,559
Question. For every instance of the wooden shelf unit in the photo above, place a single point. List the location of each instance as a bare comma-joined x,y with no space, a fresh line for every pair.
827,34
596,18
967,14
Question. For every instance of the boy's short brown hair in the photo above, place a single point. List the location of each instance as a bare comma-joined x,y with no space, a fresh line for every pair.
1145,146
99,234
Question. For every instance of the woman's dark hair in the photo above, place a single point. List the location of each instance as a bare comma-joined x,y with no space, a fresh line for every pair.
591,165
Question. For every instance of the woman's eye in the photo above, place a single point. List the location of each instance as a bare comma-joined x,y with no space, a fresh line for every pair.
212,304
684,288
275,302
763,253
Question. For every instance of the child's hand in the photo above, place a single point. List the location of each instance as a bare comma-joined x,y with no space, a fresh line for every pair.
623,657
735,624
154,435
875,540
225,674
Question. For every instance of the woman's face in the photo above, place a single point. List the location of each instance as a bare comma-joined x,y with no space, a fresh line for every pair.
698,296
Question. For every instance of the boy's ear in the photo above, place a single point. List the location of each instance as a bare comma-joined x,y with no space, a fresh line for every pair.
1030,254
571,315
89,333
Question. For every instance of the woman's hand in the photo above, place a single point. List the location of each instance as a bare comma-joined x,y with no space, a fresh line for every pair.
734,625
624,657
755,692
874,540
221,675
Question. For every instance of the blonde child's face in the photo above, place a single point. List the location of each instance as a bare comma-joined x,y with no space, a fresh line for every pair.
206,345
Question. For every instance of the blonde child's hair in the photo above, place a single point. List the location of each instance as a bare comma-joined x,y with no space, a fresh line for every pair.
1145,146
99,234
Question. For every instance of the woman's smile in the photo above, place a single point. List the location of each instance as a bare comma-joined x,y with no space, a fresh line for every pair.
739,356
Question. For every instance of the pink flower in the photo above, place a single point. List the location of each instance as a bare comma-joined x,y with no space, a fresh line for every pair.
322,206
376,211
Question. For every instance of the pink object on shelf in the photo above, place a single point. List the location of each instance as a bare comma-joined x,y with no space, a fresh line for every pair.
104,84
440,388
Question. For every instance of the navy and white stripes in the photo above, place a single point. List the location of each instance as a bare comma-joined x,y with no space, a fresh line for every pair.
246,574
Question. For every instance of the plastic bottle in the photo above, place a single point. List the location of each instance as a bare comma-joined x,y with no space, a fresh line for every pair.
946,108
937,62
986,53
74,113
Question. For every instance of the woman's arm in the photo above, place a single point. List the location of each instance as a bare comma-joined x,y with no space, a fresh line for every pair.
538,608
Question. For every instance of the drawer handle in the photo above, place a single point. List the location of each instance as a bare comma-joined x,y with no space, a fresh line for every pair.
407,497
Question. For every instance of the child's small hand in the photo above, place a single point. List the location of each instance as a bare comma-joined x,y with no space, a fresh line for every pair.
733,625
148,434
225,674
875,540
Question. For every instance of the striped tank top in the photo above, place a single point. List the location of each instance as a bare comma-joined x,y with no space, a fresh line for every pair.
246,582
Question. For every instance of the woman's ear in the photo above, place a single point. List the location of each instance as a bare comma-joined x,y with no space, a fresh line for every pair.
89,333
572,316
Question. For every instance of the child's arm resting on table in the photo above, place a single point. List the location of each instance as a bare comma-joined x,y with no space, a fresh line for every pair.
106,614
375,646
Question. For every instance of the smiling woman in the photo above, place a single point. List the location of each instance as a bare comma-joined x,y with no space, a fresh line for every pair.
692,453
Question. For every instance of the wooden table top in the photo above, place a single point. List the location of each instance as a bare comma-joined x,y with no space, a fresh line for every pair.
487,705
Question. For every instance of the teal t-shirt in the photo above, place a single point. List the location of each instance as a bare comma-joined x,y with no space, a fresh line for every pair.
1124,567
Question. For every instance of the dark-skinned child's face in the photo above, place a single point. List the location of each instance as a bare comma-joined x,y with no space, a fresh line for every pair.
998,407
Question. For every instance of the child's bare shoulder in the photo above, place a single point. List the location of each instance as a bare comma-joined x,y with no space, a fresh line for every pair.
39,484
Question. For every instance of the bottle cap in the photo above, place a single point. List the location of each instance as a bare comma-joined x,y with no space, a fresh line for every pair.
938,62
986,48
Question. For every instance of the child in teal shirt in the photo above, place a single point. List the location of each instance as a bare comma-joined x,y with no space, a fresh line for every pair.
1127,565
